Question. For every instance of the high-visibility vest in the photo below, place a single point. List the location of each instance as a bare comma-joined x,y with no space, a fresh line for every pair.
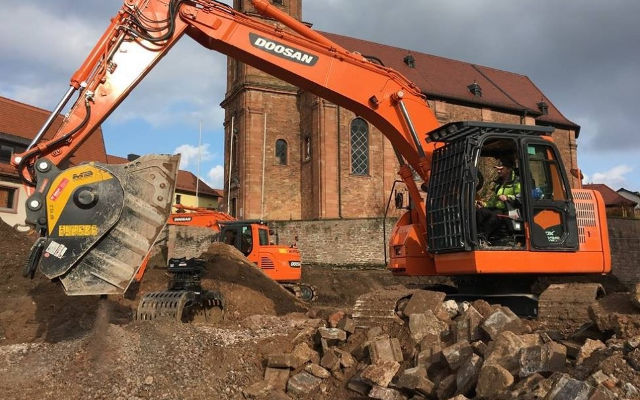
509,188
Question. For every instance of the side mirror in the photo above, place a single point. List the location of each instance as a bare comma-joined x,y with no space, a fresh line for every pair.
399,200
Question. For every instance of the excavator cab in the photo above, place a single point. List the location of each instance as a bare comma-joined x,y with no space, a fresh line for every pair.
543,215
542,232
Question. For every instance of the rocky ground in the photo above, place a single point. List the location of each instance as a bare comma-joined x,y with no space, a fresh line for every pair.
271,346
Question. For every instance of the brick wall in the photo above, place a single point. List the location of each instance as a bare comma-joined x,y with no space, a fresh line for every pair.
188,241
337,241
624,237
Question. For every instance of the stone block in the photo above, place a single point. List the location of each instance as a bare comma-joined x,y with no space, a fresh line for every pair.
589,347
602,393
303,353
459,397
600,378
383,393
302,384
531,385
423,324
282,360
467,327
385,349
493,380
451,307
330,360
467,375
500,320
446,387
549,357
479,347
359,385
380,374
332,334
505,351
346,359
423,301
567,388
415,379
347,324
457,354
277,377
633,359
573,348
428,357
317,370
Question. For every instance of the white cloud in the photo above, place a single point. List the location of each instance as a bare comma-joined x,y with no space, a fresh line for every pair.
614,178
215,177
190,154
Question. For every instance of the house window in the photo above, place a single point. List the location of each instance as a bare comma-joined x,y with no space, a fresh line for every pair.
278,2
359,147
5,153
281,152
8,199
307,148
178,198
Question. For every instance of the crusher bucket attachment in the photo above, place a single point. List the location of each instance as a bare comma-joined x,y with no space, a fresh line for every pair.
99,221
184,300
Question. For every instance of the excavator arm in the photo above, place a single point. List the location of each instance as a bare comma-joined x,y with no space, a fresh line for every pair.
140,34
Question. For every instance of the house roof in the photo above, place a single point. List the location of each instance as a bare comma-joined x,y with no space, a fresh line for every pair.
22,122
186,180
443,78
610,196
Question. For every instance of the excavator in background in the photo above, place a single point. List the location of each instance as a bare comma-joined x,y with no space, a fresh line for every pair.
90,215
253,238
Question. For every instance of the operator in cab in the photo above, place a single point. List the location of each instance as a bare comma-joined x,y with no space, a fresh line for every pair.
506,189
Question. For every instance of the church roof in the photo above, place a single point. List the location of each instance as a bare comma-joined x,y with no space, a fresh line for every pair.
447,79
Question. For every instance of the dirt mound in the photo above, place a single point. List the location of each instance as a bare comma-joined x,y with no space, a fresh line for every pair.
247,290
14,247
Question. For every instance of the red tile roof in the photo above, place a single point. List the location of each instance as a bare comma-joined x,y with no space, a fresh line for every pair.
610,196
24,121
443,78
186,180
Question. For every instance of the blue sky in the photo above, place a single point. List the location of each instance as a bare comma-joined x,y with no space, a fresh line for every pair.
583,54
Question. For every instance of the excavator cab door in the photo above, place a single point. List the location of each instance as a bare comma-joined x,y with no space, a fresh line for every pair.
551,210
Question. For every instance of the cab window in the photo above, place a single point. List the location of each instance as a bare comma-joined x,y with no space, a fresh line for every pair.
246,241
546,177
264,237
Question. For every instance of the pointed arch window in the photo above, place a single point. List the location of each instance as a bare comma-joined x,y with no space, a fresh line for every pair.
281,152
359,147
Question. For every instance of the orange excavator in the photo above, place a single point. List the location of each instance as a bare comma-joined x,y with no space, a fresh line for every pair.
98,221
253,238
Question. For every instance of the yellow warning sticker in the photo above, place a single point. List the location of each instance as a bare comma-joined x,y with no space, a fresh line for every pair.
78,230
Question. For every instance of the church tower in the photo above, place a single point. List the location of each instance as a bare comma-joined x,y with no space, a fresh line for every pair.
262,137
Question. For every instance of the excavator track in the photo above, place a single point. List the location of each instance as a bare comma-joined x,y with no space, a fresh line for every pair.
302,291
380,307
181,306
567,304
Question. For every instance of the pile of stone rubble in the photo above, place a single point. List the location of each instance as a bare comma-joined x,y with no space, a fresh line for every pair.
447,350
